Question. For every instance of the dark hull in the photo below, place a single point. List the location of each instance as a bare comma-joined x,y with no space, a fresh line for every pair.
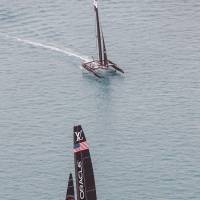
95,65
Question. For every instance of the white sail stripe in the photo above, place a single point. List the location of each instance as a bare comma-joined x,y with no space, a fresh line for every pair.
84,144
82,147
85,147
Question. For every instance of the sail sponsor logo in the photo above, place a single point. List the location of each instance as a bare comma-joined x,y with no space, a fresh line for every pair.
79,136
80,180
95,3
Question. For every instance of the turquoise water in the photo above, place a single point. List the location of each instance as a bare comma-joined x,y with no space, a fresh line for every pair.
142,127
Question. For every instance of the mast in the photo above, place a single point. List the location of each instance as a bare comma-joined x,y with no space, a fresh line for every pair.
85,183
70,189
98,31
104,51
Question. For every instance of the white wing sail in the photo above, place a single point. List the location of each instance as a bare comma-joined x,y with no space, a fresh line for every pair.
95,3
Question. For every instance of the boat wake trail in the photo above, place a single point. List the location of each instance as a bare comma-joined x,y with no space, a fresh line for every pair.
50,47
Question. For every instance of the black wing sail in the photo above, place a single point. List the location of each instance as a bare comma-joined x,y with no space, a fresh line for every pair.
98,31
85,183
105,58
70,189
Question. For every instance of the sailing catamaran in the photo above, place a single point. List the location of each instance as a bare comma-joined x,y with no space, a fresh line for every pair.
103,62
70,189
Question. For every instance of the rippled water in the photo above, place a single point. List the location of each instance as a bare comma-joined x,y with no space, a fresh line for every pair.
143,128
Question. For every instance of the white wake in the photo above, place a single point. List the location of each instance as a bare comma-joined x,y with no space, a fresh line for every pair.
66,51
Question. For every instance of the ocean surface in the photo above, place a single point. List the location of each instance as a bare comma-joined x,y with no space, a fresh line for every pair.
143,127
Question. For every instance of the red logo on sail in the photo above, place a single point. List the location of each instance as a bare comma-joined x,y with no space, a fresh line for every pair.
80,147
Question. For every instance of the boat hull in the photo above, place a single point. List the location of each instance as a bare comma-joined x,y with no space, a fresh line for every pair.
95,65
